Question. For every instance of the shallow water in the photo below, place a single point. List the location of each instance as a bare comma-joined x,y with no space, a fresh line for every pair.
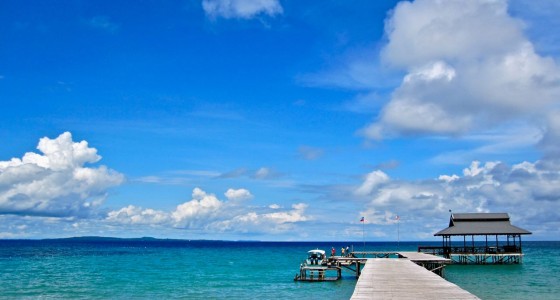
245,270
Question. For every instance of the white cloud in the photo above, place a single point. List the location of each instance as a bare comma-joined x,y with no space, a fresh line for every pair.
55,182
293,216
450,30
243,9
206,213
469,66
177,177
264,173
136,215
373,180
528,191
239,194
272,222
202,206
435,71
448,178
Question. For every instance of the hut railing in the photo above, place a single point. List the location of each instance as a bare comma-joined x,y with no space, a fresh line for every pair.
445,251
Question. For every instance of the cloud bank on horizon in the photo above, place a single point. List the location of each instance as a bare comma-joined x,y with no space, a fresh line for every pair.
465,70
57,185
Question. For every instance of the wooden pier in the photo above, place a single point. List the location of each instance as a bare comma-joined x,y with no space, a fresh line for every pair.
383,278
331,269
319,273
389,275
430,262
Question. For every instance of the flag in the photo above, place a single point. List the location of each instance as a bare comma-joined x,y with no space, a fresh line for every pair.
362,219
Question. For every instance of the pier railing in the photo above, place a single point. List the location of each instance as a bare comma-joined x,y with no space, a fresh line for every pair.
505,254
446,251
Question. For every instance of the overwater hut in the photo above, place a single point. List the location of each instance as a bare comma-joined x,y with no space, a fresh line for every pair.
465,226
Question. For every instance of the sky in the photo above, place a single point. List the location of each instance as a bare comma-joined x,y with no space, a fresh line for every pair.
277,120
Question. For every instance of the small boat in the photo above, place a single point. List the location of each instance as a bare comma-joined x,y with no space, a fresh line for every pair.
318,268
316,257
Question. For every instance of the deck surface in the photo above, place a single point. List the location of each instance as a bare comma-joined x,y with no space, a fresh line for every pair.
418,256
384,278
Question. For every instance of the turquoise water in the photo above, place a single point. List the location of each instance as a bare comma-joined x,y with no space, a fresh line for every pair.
538,277
242,270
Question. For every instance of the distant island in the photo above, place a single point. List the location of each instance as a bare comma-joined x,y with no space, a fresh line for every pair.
139,239
117,239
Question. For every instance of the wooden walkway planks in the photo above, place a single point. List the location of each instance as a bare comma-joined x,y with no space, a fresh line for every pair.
384,278
419,256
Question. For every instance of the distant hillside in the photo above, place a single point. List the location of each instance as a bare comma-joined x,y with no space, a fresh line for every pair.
116,239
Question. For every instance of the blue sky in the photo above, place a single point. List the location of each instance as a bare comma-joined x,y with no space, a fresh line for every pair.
277,120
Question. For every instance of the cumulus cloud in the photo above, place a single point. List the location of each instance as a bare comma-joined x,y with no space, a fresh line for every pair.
136,215
468,64
528,191
242,9
271,222
202,206
207,213
56,182
239,194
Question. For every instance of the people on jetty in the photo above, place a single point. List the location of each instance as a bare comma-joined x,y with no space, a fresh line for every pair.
342,251
333,252
347,251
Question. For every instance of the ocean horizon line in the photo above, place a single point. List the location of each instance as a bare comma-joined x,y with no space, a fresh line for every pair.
150,238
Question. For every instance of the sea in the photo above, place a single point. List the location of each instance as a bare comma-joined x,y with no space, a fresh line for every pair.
96,268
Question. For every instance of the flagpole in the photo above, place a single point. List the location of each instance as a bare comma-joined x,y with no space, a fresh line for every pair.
363,234
398,232
398,236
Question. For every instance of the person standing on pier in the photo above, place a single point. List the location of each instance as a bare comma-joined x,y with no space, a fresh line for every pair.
347,251
333,252
342,251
